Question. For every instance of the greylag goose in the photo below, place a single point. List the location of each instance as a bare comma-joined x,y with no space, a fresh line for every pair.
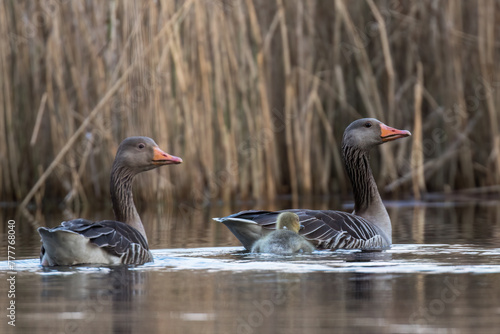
367,228
122,241
285,239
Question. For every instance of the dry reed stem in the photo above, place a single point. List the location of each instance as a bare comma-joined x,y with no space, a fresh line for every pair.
38,121
5,180
73,138
417,155
76,134
389,67
465,156
430,167
367,86
289,94
254,98
486,42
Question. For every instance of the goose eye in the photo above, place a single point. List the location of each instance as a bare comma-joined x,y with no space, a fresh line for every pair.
368,125
141,146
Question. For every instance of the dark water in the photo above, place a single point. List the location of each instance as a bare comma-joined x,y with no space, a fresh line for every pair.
441,276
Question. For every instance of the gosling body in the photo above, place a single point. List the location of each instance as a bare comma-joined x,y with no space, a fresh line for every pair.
285,239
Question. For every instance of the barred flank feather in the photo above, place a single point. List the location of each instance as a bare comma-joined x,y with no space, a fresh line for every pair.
326,229
115,238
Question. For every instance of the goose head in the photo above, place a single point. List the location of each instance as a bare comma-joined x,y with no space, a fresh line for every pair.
139,154
289,221
366,133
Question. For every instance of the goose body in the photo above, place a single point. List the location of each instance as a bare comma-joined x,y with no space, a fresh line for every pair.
367,228
123,241
285,239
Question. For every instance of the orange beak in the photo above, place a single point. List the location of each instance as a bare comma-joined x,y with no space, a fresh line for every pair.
162,158
387,133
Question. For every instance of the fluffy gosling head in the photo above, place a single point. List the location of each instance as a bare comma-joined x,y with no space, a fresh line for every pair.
288,220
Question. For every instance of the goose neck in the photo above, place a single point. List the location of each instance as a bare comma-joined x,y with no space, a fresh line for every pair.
357,163
367,201
122,197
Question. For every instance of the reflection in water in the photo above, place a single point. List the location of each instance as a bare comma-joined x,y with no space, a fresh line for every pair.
441,276
409,289
419,223
100,300
127,288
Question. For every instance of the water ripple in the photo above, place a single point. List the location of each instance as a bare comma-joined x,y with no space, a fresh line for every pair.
411,258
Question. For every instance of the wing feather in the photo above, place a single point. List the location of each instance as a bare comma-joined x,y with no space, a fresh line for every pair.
327,229
116,238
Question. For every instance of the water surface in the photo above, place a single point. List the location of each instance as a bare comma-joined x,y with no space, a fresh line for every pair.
441,276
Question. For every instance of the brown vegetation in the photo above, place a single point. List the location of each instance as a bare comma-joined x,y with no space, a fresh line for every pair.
253,95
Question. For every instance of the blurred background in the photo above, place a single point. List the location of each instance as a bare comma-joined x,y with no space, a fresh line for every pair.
253,95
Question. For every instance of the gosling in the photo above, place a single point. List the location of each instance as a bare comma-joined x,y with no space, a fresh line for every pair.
285,239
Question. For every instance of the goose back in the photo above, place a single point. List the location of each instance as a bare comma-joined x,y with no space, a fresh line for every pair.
326,229
123,243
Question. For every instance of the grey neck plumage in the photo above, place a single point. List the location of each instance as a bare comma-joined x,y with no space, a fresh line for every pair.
367,201
123,200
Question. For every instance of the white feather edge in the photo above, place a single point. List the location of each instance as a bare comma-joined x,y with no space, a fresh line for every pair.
241,220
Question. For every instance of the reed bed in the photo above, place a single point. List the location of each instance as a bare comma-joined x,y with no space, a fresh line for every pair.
253,95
